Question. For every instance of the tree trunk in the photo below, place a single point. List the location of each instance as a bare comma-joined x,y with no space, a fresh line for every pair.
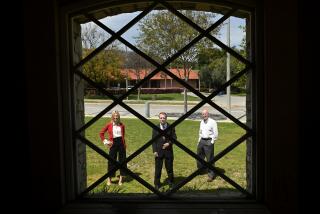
185,98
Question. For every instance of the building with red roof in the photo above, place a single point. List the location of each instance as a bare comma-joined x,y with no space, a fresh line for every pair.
161,79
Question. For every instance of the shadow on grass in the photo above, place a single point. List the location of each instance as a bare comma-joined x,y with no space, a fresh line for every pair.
219,193
128,177
205,171
187,191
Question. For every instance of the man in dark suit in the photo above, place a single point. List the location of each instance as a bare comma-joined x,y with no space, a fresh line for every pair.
162,150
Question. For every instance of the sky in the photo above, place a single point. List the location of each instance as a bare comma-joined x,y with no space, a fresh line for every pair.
118,21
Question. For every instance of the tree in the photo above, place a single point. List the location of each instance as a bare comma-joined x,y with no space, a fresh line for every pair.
242,82
140,66
217,70
212,66
105,66
208,75
162,34
236,67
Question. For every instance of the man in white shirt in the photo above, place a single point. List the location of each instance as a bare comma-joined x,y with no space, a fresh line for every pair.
208,133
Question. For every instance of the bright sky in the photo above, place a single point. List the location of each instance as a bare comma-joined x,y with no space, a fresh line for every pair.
118,21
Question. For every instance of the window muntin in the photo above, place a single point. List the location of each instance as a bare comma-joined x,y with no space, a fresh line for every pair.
117,100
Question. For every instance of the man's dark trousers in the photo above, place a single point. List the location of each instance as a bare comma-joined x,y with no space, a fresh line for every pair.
205,150
164,155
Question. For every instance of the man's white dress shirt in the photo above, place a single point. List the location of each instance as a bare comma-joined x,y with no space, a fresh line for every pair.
208,129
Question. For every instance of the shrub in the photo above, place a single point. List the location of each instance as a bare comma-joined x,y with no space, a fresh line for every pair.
118,91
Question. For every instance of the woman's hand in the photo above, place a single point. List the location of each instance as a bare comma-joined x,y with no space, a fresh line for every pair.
107,143
165,145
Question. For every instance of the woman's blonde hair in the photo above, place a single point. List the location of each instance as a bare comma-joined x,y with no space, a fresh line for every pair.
114,113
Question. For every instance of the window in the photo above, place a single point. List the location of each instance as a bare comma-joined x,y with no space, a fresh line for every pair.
166,69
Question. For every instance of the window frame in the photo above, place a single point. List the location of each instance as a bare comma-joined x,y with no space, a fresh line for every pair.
69,154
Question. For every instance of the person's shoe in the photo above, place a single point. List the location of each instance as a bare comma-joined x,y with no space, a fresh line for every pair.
108,181
202,172
210,179
120,180
170,185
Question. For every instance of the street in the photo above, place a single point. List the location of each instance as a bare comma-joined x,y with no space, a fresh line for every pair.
173,109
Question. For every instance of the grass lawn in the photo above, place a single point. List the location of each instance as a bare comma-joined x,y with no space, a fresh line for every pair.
138,133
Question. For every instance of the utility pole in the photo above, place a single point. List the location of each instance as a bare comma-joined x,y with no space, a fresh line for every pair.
127,67
228,67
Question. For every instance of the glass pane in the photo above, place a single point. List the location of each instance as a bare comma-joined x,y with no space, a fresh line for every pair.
162,34
92,36
97,166
232,33
232,164
117,22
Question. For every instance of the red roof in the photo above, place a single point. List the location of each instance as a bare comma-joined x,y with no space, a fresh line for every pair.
193,75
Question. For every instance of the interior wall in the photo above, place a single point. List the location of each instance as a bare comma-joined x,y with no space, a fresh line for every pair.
282,104
41,62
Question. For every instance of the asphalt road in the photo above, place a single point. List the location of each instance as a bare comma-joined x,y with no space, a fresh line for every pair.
174,110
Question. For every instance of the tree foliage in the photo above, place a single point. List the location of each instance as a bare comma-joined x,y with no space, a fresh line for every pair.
140,66
213,72
106,65
162,34
212,63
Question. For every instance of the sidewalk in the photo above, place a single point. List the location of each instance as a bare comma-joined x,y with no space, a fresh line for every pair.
173,110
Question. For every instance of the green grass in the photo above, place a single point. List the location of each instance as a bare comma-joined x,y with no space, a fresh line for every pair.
138,133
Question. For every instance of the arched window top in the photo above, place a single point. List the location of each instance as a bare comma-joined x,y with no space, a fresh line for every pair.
111,8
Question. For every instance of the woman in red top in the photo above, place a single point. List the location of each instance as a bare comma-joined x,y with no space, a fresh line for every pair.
115,142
